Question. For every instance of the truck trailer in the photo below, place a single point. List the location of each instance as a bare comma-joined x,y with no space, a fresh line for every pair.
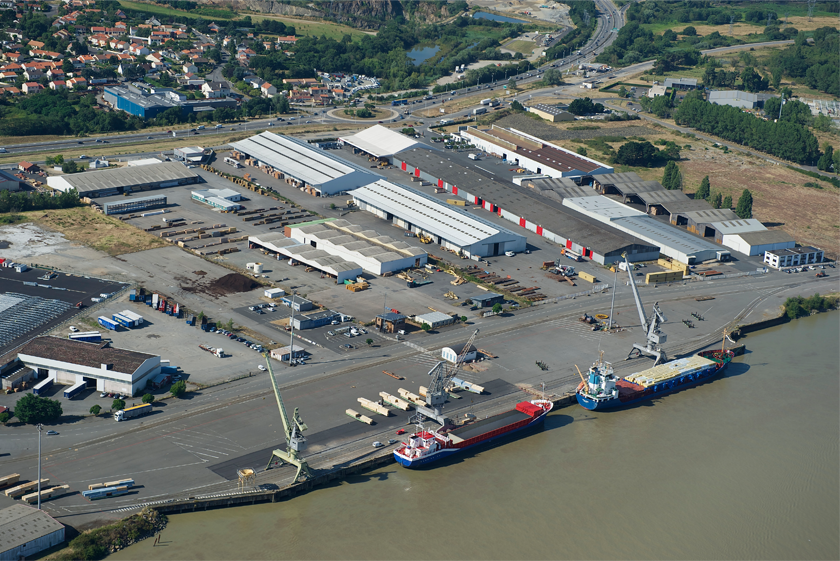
74,390
122,320
132,412
43,386
89,336
107,323
479,110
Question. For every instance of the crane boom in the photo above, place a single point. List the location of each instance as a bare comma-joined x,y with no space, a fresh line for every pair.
442,376
295,441
654,337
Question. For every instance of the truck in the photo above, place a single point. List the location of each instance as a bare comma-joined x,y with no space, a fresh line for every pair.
89,336
479,110
445,121
487,101
473,156
74,390
132,412
107,323
122,320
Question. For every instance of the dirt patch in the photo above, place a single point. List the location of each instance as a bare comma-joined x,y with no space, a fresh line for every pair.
199,273
743,29
549,131
103,233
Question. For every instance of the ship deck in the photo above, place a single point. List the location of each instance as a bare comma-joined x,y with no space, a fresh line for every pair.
487,425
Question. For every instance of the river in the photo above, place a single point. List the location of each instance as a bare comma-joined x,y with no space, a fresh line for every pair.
742,467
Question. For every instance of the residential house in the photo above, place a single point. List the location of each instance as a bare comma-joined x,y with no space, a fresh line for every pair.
58,85
12,67
4,75
27,167
214,90
63,34
138,49
213,27
254,81
35,45
190,68
155,58
12,90
268,90
288,40
32,87
77,82
33,74
244,55
14,57
55,74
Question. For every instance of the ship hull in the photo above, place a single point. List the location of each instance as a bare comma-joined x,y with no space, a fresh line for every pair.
445,453
672,386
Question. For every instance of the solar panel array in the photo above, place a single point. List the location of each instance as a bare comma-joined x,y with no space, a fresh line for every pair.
22,314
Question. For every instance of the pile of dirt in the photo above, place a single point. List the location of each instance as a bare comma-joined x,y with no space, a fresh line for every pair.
231,283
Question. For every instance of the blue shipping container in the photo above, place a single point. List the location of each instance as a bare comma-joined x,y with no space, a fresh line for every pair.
122,320
108,323
74,390
43,386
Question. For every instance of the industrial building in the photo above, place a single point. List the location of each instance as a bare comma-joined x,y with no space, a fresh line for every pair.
8,182
758,243
223,199
191,154
297,303
314,319
303,165
737,98
672,242
451,353
98,365
449,227
390,322
537,207
376,253
793,257
147,105
134,205
552,113
681,83
26,531
435,319
379,142
124,180
487,300
298,253
532,153
287,353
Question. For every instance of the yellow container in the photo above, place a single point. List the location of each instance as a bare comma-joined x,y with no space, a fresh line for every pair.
665,276
587,277
456,202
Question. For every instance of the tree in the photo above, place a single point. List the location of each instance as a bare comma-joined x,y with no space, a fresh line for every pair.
511,84
552,77
826,161
581,150
464,319
622,92
118,405
744,207
516,106
178,388
727,202
585,106
70,167
753,81
5,416
426,327
148,398
636,153
67,65
690,31
715,202
95,410
497,308
31,409
704,190
369,342
668,176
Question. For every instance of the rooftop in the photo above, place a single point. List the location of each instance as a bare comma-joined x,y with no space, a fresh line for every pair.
125,177
92,355
380,141
766,237
550,109
21,524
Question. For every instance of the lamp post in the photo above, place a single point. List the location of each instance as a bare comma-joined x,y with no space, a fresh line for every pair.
40,429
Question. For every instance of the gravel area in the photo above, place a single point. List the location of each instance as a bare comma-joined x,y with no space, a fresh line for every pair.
549,132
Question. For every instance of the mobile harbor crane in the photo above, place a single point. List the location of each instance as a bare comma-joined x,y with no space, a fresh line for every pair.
443,376
652,333
295,441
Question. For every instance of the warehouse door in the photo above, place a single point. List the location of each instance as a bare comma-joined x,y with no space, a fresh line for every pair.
89,382
495,249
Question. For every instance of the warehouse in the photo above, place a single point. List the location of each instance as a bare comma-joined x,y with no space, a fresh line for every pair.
223,199
537,207
313,320
191,154
296,252
376,254
390,322
134,205
451,353
487,300
449,227
736,98
106,368
731,225
142,104
379,142
673,242
297,303
552,113
759,243
305,166
532,153
8,182
283,353
26,531
435,319
124,180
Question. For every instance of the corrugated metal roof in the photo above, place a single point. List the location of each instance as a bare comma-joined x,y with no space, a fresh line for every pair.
92,355
669,238
296,158
767,237
428,213
21,524
126,177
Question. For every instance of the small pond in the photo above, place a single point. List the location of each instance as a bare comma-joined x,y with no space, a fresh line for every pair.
494,17
418,56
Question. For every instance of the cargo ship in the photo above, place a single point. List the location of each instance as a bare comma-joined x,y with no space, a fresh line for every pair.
601,389
424,447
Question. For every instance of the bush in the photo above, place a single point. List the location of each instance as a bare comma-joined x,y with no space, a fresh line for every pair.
797,306
118,405
464,319
636,154
95,410
426,327
31,409
178,388
497,308
148,398
369,342
5,416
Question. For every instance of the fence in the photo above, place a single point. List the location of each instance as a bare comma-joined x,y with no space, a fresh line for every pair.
595,289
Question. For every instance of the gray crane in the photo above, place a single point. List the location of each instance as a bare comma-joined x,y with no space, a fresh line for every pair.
654,336
442,375
295,441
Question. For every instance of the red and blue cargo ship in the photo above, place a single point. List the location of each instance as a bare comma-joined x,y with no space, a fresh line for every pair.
424,447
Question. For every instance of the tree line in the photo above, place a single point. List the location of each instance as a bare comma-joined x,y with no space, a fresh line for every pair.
784,139
37,200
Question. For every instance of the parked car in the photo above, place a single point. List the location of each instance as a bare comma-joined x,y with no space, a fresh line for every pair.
261,367
103,394
376,443
73,329
51,432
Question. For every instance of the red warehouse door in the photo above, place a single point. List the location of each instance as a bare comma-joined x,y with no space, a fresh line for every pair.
454,190
522,222
416,172
440,183
568,244
403,166
539,231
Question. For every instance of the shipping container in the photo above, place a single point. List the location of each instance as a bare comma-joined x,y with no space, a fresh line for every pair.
105,492
136,318
74,390
122,320
108,323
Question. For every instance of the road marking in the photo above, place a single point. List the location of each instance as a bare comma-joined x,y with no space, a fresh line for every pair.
203,454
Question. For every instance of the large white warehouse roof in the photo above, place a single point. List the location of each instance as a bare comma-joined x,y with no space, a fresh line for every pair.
305,162
380,141
159,175
428,213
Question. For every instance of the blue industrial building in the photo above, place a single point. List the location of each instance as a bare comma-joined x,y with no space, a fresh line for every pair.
137,102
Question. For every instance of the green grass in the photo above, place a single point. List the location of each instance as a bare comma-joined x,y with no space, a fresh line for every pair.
520,46
8,219
316,28
166,11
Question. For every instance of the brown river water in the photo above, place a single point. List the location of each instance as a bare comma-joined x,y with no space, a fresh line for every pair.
744,467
